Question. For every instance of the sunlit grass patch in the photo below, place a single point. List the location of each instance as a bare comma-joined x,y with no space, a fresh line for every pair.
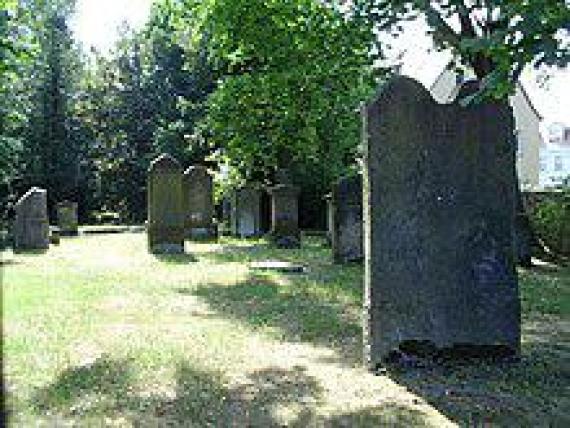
99,332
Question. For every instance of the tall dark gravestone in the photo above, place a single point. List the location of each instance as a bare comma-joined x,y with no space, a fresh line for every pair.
166,208
199,201
439,207
285,231
347,220
31,225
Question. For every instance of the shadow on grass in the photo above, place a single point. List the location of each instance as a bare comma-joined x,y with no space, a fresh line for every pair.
105,377
233,250
176,259
530,392
23,252
297,306
105,390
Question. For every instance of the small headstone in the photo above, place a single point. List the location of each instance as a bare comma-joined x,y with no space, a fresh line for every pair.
246,212
166,209
31,225
67,218
439,215
199,201
285,231
347,220
54,235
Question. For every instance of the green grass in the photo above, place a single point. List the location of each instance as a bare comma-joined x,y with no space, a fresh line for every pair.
98,332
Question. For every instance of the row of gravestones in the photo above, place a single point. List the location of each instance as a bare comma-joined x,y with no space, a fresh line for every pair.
30,228
438,206
180,206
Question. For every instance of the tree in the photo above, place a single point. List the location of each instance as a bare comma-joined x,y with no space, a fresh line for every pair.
497,39
292,75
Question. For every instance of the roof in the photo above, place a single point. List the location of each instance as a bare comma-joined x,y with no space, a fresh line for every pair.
519,86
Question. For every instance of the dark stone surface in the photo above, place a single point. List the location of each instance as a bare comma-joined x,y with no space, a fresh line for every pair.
166,213
347,220
245,217
199,203
439,209
285,231
31,225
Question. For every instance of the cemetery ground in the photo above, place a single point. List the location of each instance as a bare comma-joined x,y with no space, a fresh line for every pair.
96,331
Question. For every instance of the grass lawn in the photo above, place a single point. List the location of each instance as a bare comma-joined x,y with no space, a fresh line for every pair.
96,332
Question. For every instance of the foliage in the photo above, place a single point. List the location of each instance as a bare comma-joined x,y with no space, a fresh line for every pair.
291,77
495,38
551,220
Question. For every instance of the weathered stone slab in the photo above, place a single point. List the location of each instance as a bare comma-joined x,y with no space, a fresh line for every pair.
67,218
439,210
347,220
166,209
31,225
278,266
245,217
199,201
285,230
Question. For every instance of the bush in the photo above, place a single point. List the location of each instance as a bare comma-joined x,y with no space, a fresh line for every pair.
551,221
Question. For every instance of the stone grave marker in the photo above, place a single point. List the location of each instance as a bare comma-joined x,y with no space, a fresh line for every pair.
439,208
347,221
31,225
166,209
285,212
246,212
199,201
67,218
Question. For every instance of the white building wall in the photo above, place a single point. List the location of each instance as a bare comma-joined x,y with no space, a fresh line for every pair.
527,124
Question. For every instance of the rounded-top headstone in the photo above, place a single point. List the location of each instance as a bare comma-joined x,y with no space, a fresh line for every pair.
165,206
199,203
164,162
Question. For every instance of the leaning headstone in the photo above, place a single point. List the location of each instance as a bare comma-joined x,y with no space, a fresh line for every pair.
285,231
199,201
31,225
347,221
246,212
439,210
166,212
67,218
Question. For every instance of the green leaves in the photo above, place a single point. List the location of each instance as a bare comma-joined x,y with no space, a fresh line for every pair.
495,38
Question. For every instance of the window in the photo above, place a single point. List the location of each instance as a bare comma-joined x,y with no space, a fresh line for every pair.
557,163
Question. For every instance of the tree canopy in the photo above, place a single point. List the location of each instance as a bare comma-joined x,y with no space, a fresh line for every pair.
497,39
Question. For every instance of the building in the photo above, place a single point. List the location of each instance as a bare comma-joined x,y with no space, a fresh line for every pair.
527,124
555,156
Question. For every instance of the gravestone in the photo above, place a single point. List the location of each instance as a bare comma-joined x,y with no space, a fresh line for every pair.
246,212
439,214
31,225
166,209
285,231
347,221
199,201
330,218
67,218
